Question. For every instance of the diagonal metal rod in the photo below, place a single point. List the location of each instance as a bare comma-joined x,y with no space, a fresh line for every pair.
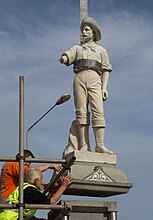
57,177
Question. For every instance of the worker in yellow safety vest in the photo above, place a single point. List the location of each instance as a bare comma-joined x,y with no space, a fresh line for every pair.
32,195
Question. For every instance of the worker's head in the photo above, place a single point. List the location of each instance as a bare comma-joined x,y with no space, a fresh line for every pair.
89,24
34,177
28,154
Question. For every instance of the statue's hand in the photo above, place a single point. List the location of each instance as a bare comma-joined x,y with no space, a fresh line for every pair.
61,60
104,94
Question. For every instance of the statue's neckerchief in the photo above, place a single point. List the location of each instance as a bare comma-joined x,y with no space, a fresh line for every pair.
90,46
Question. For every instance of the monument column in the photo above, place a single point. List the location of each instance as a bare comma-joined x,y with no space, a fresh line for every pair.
83,9
83,12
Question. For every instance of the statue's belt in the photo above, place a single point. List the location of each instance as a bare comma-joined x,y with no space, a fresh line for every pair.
87,64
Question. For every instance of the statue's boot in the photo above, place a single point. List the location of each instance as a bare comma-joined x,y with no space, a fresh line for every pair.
83,131
99,138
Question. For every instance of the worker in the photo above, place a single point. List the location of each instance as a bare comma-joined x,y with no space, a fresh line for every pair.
32,195
9,178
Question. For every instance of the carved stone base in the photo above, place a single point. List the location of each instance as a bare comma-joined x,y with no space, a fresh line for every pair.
96,174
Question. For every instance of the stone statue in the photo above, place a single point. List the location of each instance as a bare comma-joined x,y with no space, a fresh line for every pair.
91,67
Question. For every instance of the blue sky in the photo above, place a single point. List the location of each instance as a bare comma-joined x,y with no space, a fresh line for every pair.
33,34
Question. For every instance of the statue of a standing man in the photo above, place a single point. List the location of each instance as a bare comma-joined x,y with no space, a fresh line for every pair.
92,68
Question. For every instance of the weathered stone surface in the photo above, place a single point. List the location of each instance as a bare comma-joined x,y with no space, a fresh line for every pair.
87,156
96,174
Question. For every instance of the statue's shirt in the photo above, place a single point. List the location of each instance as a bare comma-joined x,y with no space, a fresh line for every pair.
90,51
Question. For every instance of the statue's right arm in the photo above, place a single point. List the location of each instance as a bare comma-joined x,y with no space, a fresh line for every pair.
69,56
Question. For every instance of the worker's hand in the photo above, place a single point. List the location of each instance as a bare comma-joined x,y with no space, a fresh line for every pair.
104,94
45,185
54,188
66,181
56,167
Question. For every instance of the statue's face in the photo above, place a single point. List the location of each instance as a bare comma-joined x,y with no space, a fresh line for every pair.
87,34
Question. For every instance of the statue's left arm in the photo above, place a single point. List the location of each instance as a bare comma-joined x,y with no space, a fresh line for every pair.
106,69
105,77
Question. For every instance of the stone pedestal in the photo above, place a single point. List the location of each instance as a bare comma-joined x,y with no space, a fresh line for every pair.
96,174
90,210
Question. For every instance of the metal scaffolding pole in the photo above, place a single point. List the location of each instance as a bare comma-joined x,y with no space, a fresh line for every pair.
36,206
21,145
35,160
20,206
112,215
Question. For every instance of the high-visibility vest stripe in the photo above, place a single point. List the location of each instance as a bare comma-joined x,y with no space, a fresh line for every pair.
13,199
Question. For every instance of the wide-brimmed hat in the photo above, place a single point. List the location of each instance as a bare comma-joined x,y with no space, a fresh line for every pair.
93,24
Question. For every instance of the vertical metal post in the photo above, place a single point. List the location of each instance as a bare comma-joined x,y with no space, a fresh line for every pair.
21,145
112,215
65,218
